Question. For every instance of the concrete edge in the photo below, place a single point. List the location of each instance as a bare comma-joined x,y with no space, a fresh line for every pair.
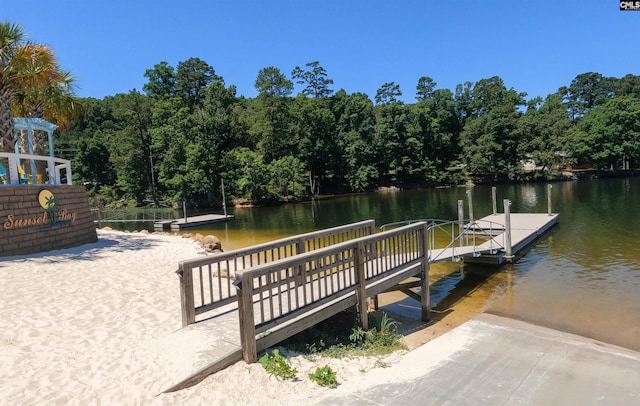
527,327
227,360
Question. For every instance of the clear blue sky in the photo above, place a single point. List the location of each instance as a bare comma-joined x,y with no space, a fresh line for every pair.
534,46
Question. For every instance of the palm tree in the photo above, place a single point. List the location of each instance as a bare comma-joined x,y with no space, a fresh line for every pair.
45,92
31,81
11,53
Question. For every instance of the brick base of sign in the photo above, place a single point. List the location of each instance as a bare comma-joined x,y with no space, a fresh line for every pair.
39,218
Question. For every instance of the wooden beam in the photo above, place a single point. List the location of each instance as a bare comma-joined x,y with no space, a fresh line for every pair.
186,295
411,294
303,322
361,292
244,290
424,275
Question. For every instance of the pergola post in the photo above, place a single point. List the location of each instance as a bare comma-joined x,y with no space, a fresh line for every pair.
31,124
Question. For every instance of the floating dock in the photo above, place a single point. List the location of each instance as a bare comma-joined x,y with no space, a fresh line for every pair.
194,221
526,228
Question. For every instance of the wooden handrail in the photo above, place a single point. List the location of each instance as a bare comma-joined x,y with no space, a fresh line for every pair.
273,295
205,282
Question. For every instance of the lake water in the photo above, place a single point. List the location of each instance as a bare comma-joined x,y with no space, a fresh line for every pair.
582,277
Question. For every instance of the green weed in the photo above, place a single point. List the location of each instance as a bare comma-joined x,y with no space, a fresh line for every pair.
325,376
278,365
340,336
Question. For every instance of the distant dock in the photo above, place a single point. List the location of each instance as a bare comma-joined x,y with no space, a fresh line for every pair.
188,222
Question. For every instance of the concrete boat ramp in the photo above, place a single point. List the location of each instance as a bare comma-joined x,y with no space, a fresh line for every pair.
493,360
489,360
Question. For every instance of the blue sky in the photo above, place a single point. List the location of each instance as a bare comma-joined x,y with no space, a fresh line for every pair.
534,46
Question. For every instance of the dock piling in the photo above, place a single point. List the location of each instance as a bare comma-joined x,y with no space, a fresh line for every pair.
493,199
507,229
224,201
461,220
184,210
549,186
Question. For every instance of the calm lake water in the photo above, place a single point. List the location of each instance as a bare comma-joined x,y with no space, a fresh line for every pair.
582,277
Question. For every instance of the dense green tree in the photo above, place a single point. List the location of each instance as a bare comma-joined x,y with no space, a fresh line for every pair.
162,81
272,82
425,88
209,138
287,178
462,97
193,76
272,118
586,91
547,135
314,79
628,85
132,150
317,143
610,134
388,93
489,139
172,121
92,163
396,148
248,174
355,126
190,131
437,125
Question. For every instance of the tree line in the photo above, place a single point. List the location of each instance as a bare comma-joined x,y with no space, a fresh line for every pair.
187,131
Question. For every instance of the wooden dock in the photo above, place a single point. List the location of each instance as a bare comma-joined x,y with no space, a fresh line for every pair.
285,295
194,221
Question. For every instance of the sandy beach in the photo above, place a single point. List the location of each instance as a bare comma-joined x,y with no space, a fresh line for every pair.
77,327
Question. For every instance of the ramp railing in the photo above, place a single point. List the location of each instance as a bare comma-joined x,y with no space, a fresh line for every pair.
479,235
206,282
278,299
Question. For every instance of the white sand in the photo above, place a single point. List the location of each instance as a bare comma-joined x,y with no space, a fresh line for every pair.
76,326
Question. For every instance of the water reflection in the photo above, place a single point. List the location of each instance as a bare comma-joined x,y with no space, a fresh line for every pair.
529,197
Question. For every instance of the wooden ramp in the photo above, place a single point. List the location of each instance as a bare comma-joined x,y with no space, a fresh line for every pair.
194,221
280,298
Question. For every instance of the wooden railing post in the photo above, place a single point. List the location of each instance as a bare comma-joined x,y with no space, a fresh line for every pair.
186,295
372,228
425,297
361,292
373,251
301,269
372,254
244,291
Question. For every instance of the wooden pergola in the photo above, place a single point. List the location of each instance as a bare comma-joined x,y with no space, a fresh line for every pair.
31,124
47,171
